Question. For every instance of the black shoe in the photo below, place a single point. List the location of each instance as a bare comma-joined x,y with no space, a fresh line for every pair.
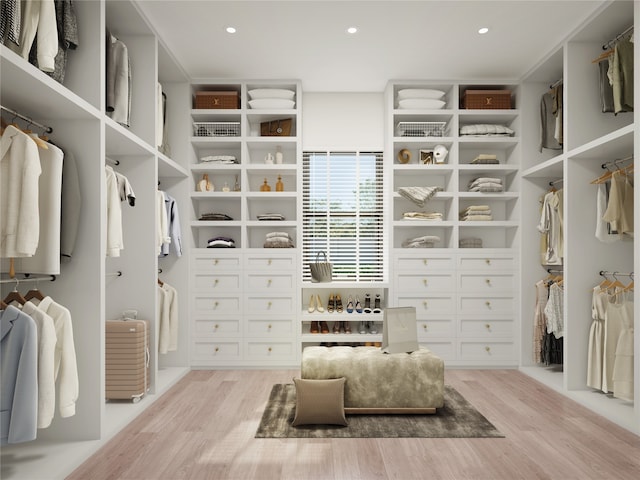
376,308
367,303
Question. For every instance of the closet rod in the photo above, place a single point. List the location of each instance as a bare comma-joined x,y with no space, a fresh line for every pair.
617,161
554,270
114,274
554,182
610,43
27,119
604,273
556,84
51,278
115,162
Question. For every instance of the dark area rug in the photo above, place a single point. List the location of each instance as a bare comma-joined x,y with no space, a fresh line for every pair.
457,419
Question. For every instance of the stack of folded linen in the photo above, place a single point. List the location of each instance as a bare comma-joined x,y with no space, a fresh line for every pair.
477,213
428,241
278,240
419,195
214,216
470,242
221,242
270,216
422,216
421,98
486,184
485,158
223,159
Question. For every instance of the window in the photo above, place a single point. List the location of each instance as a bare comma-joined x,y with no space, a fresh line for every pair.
343,214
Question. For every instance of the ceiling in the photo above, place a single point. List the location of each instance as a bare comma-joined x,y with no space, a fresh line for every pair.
307,39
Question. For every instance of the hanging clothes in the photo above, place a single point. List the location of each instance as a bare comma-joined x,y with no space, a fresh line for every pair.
174,231
613,325
539,320
622,76
599,300
551,226
622,372
606,90
167,318
18,377
162,222
115,241
19,208
620,206
70,205
604,231
548,138
118,69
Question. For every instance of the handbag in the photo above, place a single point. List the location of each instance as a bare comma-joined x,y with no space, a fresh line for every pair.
276,128
399,330
321,271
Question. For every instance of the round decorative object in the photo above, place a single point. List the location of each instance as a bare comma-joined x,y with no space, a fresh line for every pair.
440,153
404,156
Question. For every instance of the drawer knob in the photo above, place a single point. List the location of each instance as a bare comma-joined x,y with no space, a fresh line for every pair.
215,261
488,304
269,305
488,281
424,326
488,349
425,261
487,261
215,283
426,283
269,282
425,303
488,326
216,350
269,349
269,262
216,326
269,326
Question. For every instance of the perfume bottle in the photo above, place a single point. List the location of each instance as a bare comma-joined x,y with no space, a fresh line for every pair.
279,185
225,187
279,156
236,186
265,186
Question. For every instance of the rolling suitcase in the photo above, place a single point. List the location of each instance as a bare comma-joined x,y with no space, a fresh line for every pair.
127,359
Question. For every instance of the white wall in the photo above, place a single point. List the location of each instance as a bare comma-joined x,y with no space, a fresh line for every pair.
343,121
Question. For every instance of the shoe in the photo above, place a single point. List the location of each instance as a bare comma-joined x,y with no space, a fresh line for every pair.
338,303
324,327
373,329
336,327
358,306
362,329
319,306
350,305
347,327
367,303
376,305
314,327
331,305
312,304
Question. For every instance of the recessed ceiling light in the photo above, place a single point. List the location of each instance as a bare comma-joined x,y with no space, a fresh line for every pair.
231,29
352,30
483,30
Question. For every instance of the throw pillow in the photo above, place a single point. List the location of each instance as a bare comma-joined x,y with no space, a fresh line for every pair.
319,402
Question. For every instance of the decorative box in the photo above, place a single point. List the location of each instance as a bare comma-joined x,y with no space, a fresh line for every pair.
486,99
217,100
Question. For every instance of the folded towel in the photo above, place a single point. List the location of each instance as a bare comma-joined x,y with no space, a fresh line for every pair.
476,218
270,217
487,187
278,235
278,242
485,158
422,216
421,242
480,180
470,242
419,195
485,129
228,159
215,216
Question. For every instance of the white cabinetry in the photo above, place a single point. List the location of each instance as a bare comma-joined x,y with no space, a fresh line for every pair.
591,138
465,298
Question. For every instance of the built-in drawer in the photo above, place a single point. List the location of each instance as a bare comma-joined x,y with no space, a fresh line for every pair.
428,304
270,262
264,350
485,304
217,304
214,328
426,282
266,328
213,351
444,349
487,328
488,351
212,262
486,263
436,327
486,282
424,263
268,282
264,304
217,282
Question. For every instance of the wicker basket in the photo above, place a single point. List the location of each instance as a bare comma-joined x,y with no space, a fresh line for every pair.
216,129
420,129
217,100
486,99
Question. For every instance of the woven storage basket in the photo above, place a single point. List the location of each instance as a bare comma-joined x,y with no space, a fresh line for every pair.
216,129
321,272
217,100
486,99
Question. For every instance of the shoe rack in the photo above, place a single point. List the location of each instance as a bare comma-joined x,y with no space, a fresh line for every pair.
324,324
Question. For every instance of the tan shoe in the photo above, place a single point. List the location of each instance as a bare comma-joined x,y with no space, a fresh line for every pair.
312,304
319,306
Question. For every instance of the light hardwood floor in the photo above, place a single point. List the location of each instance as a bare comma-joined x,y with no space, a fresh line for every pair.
204,427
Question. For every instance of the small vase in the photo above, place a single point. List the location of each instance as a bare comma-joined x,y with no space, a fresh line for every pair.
265,186
279,185
205,185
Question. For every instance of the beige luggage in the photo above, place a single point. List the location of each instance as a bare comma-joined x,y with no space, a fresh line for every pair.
127,359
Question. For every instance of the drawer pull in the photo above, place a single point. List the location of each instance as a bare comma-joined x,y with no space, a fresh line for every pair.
488,281
269,326
487,261
426,283
216,326
269,304
425,261
269,262
215,283
215,261
424,326
488,326
425,303
488,349
488,304
216,350
269,349
269,282
215,304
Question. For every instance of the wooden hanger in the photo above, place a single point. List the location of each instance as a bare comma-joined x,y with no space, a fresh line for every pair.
160,283
15,296
602,56
3,306
34,293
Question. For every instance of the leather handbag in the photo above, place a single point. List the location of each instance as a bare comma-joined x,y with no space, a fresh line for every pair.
321,272
399,330
276,128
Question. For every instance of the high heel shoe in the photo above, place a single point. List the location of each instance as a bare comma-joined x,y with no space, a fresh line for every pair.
358,305
367,303
362,329
332,304
350,305
314,327
319,306
338,303
312,304
373,329
347,327
376,305
324,327
336,327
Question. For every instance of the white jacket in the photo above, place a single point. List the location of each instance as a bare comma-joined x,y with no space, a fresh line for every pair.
39,24
115,241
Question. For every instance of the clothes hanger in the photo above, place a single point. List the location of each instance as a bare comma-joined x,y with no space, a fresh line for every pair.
15,296
617,283
160,283
3,306
34,293
602,56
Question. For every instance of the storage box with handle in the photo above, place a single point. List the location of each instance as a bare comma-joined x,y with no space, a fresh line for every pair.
216,100
486,99
127,359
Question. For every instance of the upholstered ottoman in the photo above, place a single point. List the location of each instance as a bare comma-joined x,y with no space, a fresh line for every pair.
378,382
